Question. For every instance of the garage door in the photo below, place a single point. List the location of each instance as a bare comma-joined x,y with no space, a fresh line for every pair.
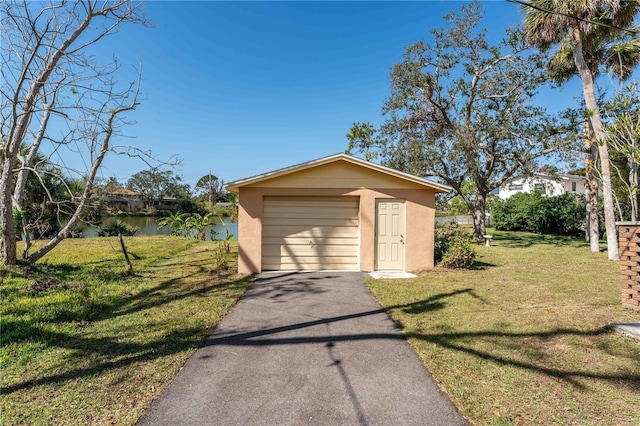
310,233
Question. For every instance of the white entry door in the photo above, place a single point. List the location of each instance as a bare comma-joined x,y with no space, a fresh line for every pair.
390,229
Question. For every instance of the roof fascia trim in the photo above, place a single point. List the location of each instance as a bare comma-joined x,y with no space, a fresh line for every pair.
235,185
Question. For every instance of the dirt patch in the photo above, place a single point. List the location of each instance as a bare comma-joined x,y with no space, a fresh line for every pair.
51,284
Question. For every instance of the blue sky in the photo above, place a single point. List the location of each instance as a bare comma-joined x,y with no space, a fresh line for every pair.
241,88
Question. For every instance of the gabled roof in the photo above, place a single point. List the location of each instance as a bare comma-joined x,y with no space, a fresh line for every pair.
438,187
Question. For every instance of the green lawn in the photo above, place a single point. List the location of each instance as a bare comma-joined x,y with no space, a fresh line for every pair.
83,343
524,338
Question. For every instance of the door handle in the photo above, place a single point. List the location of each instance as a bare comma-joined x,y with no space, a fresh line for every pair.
402,238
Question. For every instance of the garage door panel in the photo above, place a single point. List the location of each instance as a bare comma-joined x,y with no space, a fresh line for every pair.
280,221
333,241
306,250
275,201
309,260
311,213
310,233
347,209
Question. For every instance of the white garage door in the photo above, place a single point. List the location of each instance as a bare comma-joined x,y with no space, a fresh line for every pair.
316,233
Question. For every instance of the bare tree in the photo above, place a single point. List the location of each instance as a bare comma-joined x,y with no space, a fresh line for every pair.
58,100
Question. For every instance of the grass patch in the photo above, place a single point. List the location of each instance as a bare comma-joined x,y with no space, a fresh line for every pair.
523,338
85,343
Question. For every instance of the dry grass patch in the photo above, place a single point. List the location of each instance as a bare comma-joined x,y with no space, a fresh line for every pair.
524,338
100,350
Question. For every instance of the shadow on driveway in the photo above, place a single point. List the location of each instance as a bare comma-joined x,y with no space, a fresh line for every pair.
306,348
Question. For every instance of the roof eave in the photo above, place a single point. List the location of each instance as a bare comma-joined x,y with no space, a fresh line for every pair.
235,186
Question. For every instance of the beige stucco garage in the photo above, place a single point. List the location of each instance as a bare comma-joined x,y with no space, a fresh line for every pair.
335,213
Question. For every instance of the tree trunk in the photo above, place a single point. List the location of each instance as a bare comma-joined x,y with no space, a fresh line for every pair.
603,149
479,229
633,189
27,163
591,198
7,224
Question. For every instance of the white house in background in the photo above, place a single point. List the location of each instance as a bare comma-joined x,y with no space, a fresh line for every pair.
547,184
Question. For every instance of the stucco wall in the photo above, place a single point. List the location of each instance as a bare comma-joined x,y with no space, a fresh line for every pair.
420,222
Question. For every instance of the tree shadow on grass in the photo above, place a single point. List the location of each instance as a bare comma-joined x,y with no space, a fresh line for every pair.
98,309
113,354
432,303
524,240
82,308
481,266
104,271
466,342
116,354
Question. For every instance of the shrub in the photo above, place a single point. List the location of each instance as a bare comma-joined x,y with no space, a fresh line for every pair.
453,247
558,215
460,254
514,214
117,227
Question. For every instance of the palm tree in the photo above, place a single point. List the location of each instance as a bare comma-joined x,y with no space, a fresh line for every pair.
575,24
175,222
618,52
198,223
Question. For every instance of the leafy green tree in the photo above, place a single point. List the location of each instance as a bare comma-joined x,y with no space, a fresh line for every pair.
110,185
534,212
117,227
457,204
47,201
464,110
210,189
583,25
156,184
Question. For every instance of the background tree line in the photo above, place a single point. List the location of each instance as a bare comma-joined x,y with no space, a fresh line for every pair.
45,218
157,184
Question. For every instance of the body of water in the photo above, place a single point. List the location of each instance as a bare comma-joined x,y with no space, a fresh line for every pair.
148,225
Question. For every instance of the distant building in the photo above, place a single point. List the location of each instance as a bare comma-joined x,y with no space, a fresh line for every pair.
131,201
547,184
166,203
124,199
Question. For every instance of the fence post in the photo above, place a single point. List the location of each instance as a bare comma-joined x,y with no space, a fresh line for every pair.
126,255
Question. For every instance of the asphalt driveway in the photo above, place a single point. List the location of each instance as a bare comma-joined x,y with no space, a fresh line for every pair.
304,349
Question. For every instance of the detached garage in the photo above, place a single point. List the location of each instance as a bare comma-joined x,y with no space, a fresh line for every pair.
335,213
